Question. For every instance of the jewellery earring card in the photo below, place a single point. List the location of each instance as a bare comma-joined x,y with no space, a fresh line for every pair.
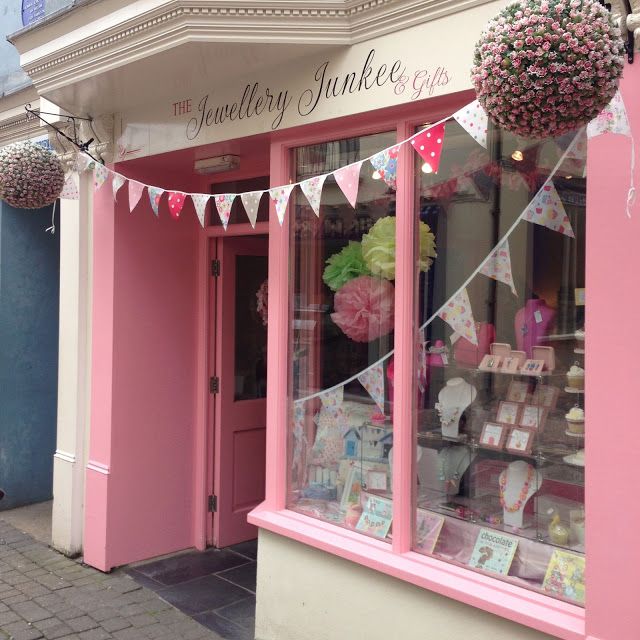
518,390
533,416
545,395
490,363
532,367
520,441
508,412
493,435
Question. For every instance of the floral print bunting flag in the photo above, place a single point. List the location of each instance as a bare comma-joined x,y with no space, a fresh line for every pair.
70,188
155,193
280,196
498,266
458,315
116,183
386,164
312,189
100,174
613,118
372,379
547,210
224,202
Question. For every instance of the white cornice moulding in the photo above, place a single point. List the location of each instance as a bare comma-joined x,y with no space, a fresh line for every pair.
98,467
55,57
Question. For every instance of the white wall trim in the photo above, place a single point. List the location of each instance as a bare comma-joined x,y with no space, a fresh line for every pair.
64,456
98,467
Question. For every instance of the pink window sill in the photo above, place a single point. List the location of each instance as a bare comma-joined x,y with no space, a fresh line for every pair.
534,610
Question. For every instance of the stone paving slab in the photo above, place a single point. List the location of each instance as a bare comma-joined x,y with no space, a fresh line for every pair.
46,595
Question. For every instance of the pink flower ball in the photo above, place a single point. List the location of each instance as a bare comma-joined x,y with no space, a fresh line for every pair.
570,57
364,308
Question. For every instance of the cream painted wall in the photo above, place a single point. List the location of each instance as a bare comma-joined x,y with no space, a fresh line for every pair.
306,594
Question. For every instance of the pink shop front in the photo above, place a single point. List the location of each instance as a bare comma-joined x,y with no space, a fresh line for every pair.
427,412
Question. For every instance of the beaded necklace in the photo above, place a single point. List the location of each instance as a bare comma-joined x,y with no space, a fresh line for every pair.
523,493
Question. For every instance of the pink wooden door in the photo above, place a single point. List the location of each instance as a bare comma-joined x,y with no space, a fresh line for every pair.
240,404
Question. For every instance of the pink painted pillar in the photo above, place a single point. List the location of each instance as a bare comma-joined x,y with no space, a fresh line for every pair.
612,383
100,440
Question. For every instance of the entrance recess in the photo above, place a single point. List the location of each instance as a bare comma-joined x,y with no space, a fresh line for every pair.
240,338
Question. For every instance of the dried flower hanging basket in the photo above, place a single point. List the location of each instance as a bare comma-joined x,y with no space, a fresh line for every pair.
31,176
546,67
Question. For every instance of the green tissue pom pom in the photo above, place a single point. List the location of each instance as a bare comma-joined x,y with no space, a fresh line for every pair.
344,266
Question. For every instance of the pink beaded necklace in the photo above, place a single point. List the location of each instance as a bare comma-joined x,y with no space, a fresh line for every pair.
523,493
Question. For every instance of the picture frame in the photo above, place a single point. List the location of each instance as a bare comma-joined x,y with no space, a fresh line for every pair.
493,435
520,440
518,391
508,412
545,395
533,416
377,480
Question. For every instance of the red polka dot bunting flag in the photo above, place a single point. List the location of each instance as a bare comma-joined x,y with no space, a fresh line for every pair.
547,210
428,144
175,200
474,120
348,179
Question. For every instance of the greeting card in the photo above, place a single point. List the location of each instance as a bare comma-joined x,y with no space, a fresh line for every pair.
565,576
428,527
493,552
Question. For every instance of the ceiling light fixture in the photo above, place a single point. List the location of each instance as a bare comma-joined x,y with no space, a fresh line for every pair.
517,155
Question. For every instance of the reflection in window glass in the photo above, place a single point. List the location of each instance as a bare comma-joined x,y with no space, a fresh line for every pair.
501,424
343,266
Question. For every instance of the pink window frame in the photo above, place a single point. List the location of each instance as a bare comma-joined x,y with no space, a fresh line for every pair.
526,607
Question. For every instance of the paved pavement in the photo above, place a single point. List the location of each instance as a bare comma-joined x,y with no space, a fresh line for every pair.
45,595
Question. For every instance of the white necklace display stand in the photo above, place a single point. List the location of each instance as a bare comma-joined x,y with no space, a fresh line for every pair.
440,472
515,476
453,399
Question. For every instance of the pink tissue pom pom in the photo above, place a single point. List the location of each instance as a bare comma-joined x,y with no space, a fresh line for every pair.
364,308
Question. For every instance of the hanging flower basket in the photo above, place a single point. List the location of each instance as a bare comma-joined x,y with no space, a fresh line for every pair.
31,176
546,67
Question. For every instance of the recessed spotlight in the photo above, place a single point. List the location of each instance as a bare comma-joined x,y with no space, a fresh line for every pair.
427,168
376,175
517,155
568,177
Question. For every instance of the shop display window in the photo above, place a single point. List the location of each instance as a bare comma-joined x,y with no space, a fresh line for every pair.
498,374
500,418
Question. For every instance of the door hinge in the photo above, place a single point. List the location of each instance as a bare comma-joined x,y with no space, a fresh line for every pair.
214,384
215,268
212,504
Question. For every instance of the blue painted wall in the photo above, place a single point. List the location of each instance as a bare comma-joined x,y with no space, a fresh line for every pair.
29,283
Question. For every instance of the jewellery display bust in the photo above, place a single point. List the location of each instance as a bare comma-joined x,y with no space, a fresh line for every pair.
453,399
452,463
518,482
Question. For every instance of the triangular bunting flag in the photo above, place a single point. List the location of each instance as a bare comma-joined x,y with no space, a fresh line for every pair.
546,209
135,193
200,204
312,189
116,183
70,188
613,119
332,400
474,120
498,266
373,381
155,193
224,202
386,165
458,315
175,200
280,196
348,179
84,162
100,174
428,144
251,203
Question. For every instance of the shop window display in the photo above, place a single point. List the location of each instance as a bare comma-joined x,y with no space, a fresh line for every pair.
501,427
499,369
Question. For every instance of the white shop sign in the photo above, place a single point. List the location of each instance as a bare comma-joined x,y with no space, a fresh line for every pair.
425,61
